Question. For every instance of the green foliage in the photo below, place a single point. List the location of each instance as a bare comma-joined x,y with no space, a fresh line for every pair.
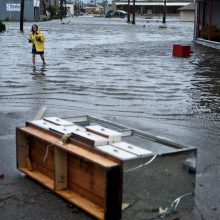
2,27
56,11
42,3
53,9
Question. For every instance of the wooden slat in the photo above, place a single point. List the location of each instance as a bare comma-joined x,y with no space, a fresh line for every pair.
58,121
81,152
87,175
86,194
42,153
133,149
22,149
40,113
68,194
89,138
42,169
60,169
113,136
82,203
117,152
39,177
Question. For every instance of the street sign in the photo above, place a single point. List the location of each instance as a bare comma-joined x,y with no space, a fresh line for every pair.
37,3
13,7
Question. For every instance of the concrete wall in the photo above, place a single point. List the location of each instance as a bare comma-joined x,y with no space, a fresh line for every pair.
15,15
187,16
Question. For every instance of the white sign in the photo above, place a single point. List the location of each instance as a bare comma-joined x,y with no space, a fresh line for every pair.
36,3
13,7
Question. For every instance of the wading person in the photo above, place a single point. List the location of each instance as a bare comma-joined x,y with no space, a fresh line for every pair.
37,39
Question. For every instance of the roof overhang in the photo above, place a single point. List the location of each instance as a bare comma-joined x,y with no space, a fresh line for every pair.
151,3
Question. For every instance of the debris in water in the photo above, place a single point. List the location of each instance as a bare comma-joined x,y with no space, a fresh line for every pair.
125,206
172,208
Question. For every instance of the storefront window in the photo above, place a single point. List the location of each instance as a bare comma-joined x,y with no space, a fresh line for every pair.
208,20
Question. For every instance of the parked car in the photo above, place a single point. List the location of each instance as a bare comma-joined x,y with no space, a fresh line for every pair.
120,14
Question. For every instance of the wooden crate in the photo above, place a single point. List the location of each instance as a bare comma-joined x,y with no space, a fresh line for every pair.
85,178
89,173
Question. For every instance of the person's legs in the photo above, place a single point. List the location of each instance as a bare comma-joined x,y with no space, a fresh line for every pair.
42,57
33,59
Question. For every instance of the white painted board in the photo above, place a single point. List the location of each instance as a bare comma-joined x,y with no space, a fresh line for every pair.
69,129
58,121
112,135
97,139
133,149
44,124
13,7
116,152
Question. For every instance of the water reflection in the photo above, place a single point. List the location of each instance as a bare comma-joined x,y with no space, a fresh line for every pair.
39,73
206,83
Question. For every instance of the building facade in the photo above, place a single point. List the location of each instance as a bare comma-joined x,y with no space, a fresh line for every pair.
155,6
187,13
207,23
10,10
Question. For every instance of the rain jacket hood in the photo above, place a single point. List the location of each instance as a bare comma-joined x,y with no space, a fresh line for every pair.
37,39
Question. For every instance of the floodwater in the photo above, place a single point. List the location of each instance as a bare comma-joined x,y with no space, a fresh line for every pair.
111,69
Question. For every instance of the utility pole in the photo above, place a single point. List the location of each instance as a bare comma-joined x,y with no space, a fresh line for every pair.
22,16
133,12
128,19
61,10
164,11
64,13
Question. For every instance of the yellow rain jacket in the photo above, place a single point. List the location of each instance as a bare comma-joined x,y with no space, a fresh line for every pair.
37,39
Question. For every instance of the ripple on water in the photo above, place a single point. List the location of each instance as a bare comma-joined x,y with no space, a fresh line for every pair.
101,65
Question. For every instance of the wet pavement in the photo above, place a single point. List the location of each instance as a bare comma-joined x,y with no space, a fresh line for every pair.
114,70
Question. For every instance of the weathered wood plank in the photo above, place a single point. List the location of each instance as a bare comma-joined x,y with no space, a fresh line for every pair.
87,175
39,177
60,169
87,194
113,136
71,148
82,203
22,143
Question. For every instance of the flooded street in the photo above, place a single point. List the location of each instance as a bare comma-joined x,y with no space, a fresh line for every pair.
121,72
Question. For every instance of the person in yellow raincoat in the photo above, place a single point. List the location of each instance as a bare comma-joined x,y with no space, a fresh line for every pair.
37,39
